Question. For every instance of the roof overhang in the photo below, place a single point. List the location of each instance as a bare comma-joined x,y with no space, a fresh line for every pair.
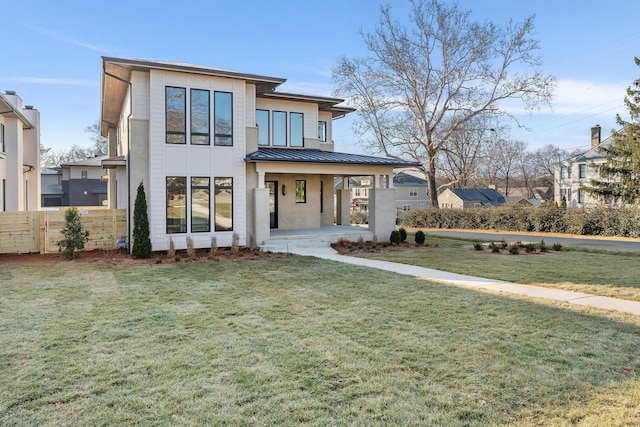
9,110
114,162
116,77
324,103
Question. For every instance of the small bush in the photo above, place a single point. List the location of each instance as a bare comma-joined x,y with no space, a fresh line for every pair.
171,253
557,247
191,250
477,246
530,247
495,248
359,218
235,243
514,250
419,237
403,234
214,247
543,246
74,236
395,237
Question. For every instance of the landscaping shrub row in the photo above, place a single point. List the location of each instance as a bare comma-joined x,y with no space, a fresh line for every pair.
598,221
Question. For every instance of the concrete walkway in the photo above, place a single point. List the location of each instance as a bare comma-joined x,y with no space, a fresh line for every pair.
326,252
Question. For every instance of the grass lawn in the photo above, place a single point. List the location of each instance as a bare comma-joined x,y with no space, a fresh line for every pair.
605,273
300,341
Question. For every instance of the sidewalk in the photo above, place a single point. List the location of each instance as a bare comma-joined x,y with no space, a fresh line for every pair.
578,298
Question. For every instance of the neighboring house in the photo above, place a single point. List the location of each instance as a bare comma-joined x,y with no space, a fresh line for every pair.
82,183
521,201
411,191
571,173
221,153
19,155
469,198
51,188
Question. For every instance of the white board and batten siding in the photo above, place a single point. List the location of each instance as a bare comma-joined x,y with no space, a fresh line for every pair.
194,160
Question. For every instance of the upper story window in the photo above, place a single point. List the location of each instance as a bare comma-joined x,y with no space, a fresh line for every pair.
279,128
296,129
176,115
582,171
223,118
83,174
262,121
563,172
2,148
322,131
569,171
200,117
413,192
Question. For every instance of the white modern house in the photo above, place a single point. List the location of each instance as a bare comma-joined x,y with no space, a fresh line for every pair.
19,155
572,173
222,152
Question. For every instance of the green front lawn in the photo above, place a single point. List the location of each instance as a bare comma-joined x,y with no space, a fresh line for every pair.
604,273
300,341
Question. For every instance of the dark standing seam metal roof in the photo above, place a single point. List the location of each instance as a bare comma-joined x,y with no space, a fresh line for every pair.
319,156
484,195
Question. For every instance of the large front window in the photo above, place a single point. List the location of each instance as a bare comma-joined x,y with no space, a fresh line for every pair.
223,118
200,208
200,117
296,129
262,121
279,128
176,115
176,204
224,204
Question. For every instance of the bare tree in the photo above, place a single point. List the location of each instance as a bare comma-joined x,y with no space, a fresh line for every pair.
424,83
52,158
502,162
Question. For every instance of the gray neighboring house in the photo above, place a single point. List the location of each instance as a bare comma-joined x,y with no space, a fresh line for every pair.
411,191
82,182
470,198
51,193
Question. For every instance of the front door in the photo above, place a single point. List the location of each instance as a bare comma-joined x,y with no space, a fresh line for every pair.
273,203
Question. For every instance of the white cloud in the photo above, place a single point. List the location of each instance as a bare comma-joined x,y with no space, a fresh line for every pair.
56,35
54,81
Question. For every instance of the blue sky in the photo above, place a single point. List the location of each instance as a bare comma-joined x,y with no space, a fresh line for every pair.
51,53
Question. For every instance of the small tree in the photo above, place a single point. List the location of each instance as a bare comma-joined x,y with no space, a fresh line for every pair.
74,236
141,243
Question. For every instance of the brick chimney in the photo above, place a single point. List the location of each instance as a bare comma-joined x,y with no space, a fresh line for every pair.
595,136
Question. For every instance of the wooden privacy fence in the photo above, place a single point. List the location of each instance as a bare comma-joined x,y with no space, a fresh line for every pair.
24,232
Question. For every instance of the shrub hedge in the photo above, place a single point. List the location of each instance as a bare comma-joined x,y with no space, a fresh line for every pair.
597,221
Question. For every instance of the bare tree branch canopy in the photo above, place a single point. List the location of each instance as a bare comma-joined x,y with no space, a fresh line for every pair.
426,82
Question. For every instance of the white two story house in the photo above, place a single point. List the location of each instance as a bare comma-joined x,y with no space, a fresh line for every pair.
19,155
222,152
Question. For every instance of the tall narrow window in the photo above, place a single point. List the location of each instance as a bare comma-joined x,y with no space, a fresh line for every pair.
279,128
296,129
223,118
582,171
200,207
301,191
176,204
322,131
262,121
224,204
200,112
2,148
176,115
321,196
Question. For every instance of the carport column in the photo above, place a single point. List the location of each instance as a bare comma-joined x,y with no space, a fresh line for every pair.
343,204
261,215
382,216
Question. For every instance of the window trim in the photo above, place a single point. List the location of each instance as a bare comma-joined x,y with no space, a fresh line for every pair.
322,136
208,115
167,188
167,132
215,203
298,144
268,131
216,134
274,114
303,183
191,190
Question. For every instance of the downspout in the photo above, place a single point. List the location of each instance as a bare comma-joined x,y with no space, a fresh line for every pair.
129,213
